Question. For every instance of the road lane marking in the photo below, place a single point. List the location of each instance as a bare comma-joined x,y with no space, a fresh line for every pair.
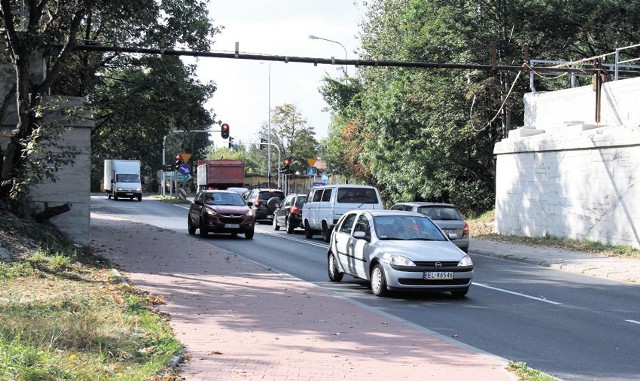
517,293
308,242
633,321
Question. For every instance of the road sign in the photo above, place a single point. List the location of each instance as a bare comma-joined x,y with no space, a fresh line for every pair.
184,169
311,171
182,193
182,177
324,178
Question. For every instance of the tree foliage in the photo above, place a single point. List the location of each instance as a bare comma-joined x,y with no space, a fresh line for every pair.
429,134
51,30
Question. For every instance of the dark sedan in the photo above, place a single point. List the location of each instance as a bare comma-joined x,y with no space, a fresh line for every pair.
219,211
289,213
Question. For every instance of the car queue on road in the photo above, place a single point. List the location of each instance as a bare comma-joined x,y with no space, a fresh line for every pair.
414,246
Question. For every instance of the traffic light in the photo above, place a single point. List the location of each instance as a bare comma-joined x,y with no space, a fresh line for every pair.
263,143
224,131
178,161
287,163
230,142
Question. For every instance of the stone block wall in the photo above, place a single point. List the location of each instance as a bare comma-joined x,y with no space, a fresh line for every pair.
566,176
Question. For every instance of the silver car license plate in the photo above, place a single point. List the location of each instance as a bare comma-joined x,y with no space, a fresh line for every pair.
438,275
232,226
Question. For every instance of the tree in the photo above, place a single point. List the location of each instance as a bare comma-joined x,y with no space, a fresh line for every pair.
429,134
289,130
51,29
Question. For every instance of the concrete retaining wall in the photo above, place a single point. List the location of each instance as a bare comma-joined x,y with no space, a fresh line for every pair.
73,184
566,176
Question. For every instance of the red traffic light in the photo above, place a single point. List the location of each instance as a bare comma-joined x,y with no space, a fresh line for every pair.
224,131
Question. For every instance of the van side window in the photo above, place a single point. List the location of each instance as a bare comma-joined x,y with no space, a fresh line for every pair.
317,195
326,196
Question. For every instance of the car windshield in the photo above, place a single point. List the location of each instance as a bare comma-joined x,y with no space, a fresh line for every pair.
301,200
232,199
128,178
406,228
441,213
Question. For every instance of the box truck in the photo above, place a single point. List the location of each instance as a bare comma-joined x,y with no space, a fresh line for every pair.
220,174
122,179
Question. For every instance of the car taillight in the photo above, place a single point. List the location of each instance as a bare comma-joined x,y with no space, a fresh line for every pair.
466,229
294,210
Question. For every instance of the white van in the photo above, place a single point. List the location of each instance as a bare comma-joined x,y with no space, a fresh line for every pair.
325,205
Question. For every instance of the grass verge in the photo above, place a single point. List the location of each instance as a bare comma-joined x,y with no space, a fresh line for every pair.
64,315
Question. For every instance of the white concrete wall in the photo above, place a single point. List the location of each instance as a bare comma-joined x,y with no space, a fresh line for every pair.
561,177
73,184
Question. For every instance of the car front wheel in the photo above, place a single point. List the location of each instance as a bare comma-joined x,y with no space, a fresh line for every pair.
378,281
249,234
190,227
308,233
461,293
203,227
334,274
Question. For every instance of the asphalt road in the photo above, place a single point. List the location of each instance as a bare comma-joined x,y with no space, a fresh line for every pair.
573,327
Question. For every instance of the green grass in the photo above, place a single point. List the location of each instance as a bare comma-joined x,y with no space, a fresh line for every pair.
524,373
64,316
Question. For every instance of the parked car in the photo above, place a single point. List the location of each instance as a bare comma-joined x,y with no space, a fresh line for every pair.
220,211
446,216
289,213
325,204
259,198
397,250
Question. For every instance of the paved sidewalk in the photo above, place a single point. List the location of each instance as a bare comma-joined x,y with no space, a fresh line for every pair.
241,321
618,269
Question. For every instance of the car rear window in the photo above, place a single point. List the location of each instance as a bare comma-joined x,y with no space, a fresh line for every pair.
357,195
440,212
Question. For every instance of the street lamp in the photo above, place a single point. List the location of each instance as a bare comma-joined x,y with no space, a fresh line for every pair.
269,132
311,36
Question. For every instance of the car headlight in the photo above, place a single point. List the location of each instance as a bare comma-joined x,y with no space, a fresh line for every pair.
211,212
465,261
119,189
139,190
398,260
249,213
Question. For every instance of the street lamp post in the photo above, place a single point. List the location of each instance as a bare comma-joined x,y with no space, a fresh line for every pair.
269,133
311,36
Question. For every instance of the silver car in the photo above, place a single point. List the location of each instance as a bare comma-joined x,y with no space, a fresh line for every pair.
446,216
397,250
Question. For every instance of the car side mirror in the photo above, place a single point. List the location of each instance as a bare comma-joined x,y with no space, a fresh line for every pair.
453,236
249,203
359,234
197,202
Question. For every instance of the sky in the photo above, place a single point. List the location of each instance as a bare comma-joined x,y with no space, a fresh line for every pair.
246,88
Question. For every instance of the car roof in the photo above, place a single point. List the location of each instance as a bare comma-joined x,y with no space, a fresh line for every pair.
267,189
217,191
387,212
344,186
424,203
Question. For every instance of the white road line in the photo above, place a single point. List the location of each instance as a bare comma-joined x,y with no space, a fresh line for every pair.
517,293
633,321
306,241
